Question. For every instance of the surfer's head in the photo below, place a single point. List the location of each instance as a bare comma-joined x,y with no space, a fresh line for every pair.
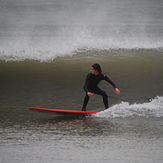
97,67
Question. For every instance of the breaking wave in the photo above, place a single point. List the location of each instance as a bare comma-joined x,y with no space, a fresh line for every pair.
154,108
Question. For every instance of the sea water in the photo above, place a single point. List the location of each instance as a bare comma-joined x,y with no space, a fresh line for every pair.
47,49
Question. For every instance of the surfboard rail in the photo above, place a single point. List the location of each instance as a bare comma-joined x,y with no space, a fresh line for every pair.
64,111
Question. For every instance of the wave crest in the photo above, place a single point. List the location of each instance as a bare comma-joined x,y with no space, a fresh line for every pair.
154,108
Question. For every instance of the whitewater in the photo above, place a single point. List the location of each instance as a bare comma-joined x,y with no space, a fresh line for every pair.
154,108
43,31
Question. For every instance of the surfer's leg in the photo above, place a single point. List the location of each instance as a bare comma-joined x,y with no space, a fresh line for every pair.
86,99
105,101
104,96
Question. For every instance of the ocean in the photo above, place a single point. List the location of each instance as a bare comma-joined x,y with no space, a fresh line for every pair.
47,48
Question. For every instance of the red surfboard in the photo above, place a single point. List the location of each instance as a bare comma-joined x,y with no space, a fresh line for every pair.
72,112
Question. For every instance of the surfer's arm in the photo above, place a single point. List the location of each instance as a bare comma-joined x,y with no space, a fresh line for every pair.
117,91
110,81
87,83
87,86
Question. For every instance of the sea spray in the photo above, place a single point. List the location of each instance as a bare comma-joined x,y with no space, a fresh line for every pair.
44,30
154,108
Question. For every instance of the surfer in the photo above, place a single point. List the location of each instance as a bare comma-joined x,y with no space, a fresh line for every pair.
91,85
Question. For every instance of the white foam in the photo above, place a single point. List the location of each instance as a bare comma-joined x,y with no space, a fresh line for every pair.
63,28
154,108
57,48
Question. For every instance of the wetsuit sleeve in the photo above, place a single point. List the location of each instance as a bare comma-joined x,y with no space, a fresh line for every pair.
109,81
87,84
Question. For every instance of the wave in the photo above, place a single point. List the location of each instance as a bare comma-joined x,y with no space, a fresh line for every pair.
64,28
50,55
47,48
154,108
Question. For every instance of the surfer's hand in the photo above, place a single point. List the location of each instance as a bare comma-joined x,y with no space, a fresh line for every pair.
90,94
117,91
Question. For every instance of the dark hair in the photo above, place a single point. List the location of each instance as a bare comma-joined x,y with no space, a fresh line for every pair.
97,67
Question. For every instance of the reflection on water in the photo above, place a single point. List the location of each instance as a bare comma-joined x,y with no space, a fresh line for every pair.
88,126
47,137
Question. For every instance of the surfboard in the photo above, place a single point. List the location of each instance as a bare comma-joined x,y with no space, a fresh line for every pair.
69,112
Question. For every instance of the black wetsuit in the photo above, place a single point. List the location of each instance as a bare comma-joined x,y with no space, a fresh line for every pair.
91,85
